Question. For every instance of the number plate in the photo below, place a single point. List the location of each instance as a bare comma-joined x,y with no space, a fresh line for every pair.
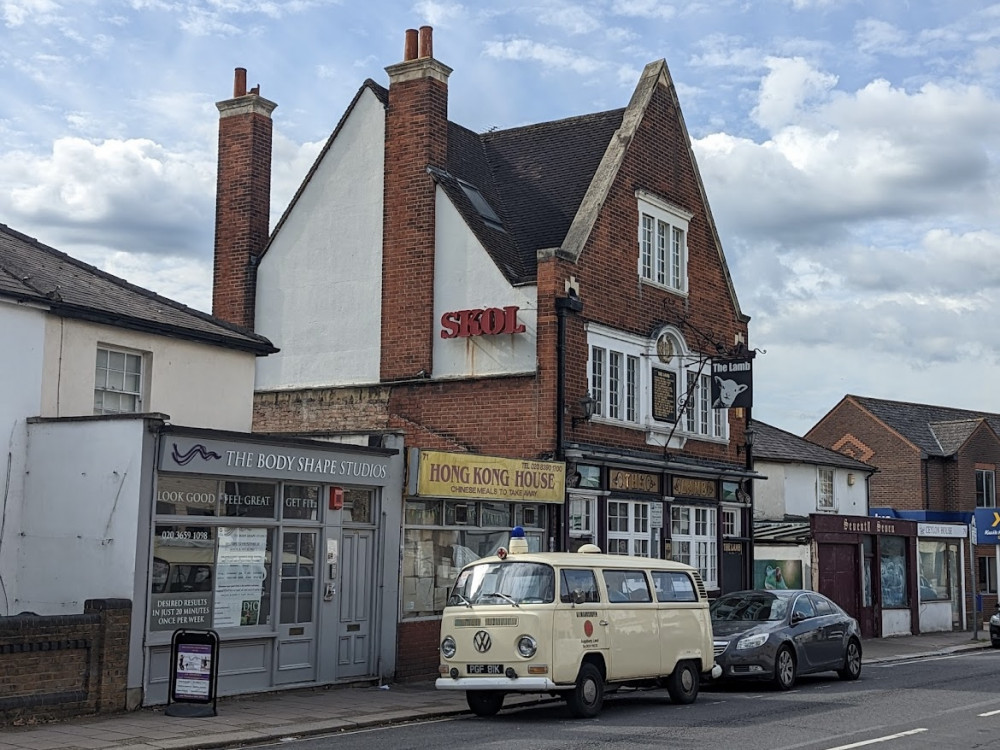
484,669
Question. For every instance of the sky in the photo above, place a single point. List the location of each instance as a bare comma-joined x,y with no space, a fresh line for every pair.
850,149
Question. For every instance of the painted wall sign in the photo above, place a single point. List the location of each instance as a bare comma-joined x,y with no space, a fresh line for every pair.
862,525
490,321
640,481
473,477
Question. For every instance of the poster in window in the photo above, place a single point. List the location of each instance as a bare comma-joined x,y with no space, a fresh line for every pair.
732,383
777,574
664,395
240,571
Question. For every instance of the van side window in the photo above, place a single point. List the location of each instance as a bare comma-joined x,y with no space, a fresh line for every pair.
673,586
578,586
626,586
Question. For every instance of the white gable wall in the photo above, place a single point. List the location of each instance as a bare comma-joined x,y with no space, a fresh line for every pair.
22,333
197,385
790,488
319,286
466,278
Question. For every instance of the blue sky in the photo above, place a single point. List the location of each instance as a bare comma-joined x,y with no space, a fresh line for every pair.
850,149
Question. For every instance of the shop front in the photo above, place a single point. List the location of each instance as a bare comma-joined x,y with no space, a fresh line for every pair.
287,548
460,507
869,567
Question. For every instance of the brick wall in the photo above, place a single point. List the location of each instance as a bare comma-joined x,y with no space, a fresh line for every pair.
899,482
58,666
417,657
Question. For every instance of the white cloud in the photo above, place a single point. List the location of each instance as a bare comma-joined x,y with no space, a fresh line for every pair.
789,85
554,57
19,12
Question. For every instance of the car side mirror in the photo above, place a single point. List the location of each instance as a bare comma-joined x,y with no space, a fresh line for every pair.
798,617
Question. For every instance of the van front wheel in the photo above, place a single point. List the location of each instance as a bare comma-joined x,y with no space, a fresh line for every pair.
484,702
587,698
682,684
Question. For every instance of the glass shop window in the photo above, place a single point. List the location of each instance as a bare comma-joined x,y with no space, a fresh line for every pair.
935,570
186,496
440,537
892,560
248,499
300,502
358,506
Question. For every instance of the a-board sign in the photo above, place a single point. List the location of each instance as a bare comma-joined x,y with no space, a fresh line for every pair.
194,673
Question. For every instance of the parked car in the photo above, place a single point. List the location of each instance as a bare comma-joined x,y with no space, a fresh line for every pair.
778,635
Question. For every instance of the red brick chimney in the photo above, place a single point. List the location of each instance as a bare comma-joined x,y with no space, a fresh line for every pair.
416,137
242,200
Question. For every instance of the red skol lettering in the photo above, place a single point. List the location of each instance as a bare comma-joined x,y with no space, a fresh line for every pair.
491,321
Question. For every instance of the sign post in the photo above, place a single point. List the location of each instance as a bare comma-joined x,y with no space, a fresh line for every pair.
194,673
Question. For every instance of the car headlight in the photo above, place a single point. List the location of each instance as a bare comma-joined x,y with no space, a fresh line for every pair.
526,646
448,647
995,620
751,641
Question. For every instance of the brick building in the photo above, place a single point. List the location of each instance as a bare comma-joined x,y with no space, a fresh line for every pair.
936,466
535,311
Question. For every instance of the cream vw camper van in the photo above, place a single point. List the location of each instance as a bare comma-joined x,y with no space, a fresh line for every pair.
575,625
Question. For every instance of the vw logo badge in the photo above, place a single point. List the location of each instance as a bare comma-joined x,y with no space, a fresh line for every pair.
482,641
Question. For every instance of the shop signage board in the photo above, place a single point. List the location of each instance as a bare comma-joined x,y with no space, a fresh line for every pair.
194,673
473,477
986,526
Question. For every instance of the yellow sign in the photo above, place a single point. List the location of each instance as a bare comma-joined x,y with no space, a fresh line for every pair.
996,519
694,487
634,480
472,477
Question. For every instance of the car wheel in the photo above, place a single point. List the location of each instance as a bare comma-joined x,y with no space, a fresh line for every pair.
852,661
682,684
784,669
484,702
587,698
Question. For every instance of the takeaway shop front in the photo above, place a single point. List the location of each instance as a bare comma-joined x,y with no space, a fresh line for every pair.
460,507
287,548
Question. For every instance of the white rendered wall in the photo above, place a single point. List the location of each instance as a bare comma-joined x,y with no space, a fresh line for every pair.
197,385
22,333
80,519
466,278
319,286
790,488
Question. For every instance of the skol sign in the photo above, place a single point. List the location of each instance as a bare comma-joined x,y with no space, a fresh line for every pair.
489,321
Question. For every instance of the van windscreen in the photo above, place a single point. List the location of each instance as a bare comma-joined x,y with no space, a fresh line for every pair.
513,582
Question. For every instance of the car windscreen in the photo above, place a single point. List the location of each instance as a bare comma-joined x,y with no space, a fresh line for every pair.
759,606
499,582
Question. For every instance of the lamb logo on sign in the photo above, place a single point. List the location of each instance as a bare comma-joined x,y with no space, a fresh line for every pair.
489,321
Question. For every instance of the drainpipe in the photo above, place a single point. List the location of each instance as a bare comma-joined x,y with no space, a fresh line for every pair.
571,303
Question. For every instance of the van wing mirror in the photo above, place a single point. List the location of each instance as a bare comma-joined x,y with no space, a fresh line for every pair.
578,596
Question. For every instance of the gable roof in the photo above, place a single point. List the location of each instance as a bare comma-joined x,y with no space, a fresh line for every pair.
936,430
31,272
547,182
773,444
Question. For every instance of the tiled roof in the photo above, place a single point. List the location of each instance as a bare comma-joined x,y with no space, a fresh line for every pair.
936,430
773,444
36,273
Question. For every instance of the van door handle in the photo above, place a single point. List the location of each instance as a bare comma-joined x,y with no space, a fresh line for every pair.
603,622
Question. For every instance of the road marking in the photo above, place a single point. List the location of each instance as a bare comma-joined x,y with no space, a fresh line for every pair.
991,713
879,739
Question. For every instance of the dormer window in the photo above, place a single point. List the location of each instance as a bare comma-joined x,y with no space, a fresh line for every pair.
663,254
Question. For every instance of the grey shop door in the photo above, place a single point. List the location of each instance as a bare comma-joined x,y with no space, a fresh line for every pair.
296,647
355,623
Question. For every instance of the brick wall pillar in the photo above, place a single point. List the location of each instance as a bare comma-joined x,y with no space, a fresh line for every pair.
112,649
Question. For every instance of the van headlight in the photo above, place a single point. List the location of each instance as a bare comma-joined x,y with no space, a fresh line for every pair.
751,641
448,647
526,646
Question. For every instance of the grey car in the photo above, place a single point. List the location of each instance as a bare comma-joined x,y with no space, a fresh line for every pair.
778,635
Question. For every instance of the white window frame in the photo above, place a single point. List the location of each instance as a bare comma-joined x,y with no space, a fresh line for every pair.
694,540
731,526
620,377
629,531
989,488
663,249
826,495
582,514
123,378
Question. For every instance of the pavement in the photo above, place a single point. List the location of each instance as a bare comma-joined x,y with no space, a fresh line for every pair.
272,717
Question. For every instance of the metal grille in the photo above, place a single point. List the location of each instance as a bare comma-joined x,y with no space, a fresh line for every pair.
501,622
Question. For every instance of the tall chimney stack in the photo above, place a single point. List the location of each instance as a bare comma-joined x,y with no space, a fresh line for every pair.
242,200
416,138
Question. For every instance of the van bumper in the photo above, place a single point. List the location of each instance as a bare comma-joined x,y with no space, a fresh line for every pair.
507,685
